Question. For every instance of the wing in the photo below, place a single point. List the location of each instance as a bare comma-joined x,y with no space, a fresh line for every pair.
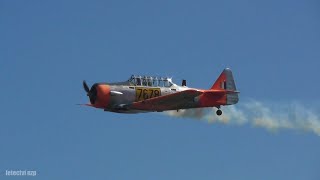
168,102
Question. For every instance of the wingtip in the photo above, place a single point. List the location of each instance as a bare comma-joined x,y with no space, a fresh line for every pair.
84,105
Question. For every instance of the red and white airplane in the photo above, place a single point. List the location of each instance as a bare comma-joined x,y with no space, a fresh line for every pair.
156,94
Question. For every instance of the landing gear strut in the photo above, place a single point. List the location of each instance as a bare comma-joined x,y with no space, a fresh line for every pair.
218,112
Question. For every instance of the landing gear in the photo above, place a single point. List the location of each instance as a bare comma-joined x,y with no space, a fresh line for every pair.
218,112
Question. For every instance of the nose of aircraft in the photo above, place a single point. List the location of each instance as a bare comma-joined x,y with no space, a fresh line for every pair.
103,96
99,94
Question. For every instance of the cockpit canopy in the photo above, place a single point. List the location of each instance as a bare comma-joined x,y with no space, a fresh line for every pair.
150,81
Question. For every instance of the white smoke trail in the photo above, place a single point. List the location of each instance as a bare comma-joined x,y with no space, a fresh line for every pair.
290,116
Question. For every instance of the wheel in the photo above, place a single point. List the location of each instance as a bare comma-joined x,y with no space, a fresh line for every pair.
219,112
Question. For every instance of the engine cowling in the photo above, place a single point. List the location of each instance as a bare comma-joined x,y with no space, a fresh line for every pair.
102,96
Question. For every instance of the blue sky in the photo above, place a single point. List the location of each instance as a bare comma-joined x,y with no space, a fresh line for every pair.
48,48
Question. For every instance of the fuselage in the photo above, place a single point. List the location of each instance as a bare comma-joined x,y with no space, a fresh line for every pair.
152,94
119,96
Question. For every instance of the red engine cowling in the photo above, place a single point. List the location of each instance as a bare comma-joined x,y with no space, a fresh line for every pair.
102,96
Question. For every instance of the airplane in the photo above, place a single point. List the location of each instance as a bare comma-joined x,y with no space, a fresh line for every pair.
156,94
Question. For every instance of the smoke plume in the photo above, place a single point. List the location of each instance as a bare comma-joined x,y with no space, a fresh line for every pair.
257,114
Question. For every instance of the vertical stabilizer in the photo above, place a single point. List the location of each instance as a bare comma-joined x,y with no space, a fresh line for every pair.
226,82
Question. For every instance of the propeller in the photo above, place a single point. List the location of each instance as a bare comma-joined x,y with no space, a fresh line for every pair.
86,87
92,93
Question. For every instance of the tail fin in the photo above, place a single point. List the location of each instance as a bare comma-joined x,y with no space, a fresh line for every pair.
226,82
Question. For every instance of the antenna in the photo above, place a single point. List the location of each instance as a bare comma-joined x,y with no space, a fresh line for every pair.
184,82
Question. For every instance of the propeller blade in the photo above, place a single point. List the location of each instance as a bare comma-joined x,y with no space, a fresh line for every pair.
92,93
86,87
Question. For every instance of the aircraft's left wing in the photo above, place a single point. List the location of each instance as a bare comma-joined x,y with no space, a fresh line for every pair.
171,101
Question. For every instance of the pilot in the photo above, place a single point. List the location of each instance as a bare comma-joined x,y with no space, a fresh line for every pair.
144,81
138,81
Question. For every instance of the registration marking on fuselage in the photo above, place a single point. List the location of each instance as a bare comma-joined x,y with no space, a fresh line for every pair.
143,93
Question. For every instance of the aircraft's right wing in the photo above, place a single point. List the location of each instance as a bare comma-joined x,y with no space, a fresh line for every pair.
171,101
